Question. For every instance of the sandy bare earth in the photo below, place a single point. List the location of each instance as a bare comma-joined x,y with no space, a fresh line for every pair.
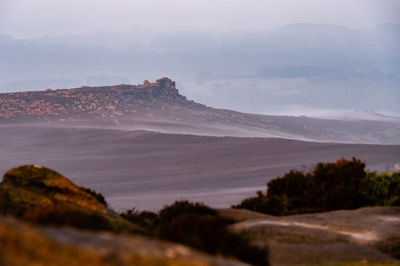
148,170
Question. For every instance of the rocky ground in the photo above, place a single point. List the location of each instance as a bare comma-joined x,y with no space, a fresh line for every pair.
58,211
53,205
23,244
365,235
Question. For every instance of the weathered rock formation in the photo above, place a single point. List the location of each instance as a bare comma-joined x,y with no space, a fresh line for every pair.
108,101
41,195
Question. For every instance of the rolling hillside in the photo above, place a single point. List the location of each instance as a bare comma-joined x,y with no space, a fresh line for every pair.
159,107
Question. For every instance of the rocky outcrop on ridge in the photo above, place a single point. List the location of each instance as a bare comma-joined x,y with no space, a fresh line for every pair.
107,101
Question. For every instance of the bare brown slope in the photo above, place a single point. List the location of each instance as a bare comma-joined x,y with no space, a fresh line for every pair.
158,106
149,170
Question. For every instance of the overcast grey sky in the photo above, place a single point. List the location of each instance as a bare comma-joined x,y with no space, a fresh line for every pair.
33,18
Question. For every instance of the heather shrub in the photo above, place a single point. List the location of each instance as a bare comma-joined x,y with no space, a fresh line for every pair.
198,226
343,184
383,189
169,213
95,194
146,220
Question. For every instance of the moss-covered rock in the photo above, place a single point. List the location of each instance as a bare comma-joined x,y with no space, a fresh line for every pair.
41,195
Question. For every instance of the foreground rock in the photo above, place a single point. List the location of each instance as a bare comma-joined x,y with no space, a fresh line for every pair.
363,235
44,197
22,244
40,195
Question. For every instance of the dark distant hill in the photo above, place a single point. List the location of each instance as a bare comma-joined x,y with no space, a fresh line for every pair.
159,107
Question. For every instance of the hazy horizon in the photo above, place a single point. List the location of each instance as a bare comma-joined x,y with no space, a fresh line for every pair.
27,18
256,56
169,32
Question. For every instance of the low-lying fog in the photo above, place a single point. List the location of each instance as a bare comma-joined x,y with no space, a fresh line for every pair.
296,96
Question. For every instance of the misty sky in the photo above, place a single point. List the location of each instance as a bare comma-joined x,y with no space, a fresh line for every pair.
34,18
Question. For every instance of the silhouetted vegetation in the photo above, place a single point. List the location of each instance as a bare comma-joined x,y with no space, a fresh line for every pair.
197,226
343,184
169,213
95,194
146,220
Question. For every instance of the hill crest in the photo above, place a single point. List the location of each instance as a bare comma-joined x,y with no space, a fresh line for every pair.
105,101
160,107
